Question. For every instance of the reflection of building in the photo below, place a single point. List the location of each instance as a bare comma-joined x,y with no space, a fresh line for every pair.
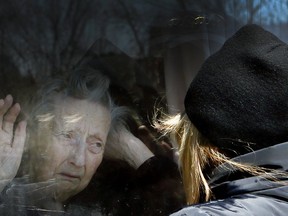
184,40
135,83
121,68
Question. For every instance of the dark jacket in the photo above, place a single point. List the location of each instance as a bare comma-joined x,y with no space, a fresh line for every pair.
155,188
240,194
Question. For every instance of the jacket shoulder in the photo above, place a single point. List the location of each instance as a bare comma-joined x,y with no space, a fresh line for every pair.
241,205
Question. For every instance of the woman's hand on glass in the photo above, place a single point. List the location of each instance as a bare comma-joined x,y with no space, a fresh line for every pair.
12,139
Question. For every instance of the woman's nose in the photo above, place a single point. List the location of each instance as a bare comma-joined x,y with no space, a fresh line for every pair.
78,153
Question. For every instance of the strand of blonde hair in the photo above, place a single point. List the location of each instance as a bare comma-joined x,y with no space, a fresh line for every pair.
195,153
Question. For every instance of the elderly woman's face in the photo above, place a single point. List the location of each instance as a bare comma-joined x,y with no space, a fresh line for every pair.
71,149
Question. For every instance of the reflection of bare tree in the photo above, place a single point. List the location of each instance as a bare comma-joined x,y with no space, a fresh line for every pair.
129,14
47,37
134,21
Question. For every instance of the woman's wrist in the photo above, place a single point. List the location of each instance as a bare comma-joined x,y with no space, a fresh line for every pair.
137,152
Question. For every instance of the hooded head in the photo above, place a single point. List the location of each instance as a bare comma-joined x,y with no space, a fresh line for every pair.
240,95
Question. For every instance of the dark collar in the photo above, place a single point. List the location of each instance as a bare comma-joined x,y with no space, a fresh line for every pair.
273,156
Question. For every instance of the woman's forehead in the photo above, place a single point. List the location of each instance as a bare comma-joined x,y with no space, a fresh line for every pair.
72,108
76,114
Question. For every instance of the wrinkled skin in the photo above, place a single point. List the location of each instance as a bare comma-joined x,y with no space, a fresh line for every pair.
125,146
70,153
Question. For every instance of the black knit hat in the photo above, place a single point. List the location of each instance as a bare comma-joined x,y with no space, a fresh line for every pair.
240,93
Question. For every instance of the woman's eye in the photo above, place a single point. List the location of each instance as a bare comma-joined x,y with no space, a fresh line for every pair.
66,135
95,148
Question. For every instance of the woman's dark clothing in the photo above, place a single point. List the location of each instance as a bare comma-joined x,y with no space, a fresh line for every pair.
238,195
155,188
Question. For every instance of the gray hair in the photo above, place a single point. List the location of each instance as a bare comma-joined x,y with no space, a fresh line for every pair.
83,83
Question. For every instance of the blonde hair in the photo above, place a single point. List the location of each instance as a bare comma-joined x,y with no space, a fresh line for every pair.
197,154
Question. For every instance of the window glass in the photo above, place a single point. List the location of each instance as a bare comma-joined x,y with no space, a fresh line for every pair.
149,50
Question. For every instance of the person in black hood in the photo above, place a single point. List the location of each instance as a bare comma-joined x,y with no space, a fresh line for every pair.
233,136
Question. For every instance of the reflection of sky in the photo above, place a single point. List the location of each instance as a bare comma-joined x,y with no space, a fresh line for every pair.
266,11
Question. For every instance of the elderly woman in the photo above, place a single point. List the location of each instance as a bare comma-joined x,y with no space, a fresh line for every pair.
70,125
